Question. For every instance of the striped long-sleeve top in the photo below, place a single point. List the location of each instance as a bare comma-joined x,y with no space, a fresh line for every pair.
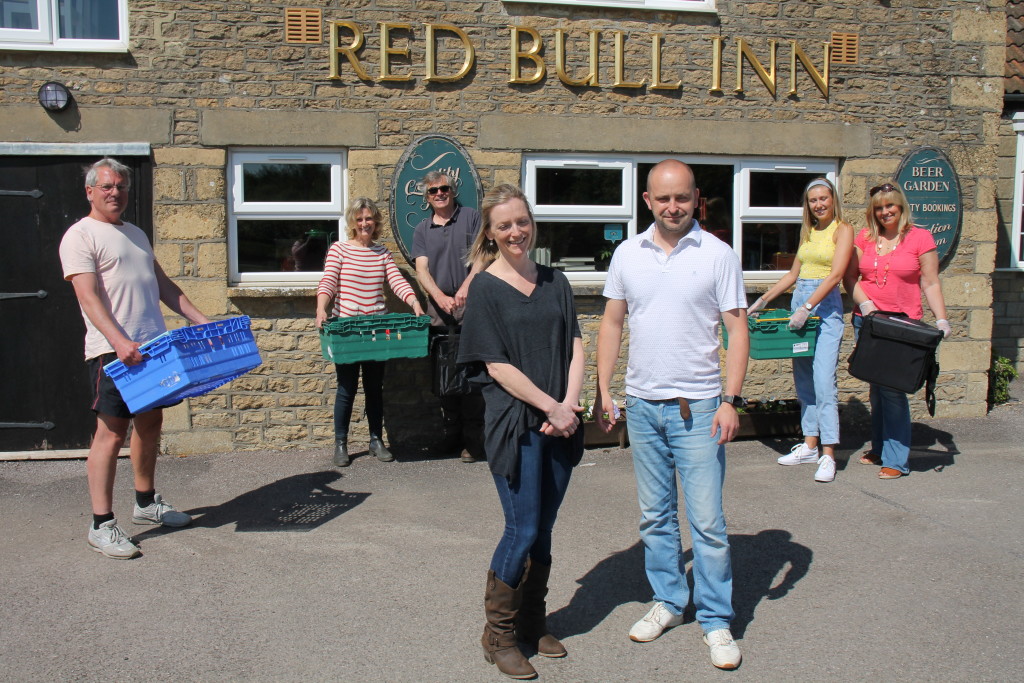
354,277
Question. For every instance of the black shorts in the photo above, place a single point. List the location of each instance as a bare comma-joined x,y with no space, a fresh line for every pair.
106,399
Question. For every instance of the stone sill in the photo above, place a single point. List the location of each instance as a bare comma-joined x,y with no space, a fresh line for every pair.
272,292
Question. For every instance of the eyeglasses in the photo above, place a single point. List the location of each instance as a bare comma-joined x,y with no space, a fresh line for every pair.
887,187
444,189
107,188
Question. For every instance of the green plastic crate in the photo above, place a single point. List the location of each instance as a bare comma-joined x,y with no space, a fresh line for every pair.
374,337
771,338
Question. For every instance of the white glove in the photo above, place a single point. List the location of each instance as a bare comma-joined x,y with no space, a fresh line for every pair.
944,325
799,318
867,306
754,309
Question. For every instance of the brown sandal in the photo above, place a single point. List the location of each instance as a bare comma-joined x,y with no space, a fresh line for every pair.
869,458
889,473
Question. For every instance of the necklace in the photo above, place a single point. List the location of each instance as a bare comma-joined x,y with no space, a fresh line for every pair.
885,274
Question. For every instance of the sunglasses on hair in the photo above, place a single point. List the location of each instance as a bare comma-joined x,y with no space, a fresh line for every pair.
440,188
887,187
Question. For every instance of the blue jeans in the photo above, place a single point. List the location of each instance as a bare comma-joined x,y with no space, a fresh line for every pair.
663,444
373,389
890,421
530,502
815,377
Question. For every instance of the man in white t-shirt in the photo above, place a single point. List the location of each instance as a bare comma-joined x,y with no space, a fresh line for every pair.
119,286
676,281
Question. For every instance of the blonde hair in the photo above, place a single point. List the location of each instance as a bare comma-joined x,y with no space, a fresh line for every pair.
484,249
810,220
355,208
889,193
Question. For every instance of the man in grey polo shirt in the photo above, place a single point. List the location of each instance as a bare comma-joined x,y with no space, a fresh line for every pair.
675,281
440,245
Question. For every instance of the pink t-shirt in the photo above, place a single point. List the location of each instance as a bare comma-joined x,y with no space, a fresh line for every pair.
899,290
122,259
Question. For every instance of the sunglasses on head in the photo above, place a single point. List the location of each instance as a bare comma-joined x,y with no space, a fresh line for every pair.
440,188
887,187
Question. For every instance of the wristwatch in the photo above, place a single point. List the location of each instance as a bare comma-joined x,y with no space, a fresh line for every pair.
735,401
808,306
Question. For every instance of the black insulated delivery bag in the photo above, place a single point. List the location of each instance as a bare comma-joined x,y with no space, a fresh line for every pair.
897,352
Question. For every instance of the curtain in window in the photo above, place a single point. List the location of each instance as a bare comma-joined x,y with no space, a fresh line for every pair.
88,19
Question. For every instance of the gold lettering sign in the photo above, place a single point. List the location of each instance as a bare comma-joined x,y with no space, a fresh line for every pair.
431,56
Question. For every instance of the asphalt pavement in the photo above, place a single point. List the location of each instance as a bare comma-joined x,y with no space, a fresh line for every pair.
297,571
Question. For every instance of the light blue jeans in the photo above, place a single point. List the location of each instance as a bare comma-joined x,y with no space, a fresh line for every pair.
815,377
890,421
664,444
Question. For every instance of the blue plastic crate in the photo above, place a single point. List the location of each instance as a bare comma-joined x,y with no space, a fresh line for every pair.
186,362
374,337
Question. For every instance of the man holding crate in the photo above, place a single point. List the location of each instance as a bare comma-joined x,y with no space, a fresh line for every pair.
119,286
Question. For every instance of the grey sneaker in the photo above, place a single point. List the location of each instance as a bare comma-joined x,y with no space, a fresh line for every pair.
112,541
160,512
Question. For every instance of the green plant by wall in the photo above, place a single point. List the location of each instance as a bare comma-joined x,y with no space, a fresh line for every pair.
1000,375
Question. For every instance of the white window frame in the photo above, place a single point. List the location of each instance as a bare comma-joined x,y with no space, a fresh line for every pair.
660,5
47,38
238,208
743,212
1016,255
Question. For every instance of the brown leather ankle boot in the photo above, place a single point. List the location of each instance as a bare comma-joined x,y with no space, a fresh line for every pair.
531,624
501,604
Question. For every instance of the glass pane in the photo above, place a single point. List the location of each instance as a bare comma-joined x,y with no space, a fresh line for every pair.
579,186
284,246
292,183
19,14
714,212
577,246
774,189
769,246
88,19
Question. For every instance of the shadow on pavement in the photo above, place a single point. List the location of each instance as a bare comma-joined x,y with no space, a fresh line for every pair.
301,502
757,563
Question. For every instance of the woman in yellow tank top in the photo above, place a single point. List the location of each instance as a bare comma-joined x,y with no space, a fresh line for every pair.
826,245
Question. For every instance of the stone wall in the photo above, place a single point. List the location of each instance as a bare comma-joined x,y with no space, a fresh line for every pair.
203,77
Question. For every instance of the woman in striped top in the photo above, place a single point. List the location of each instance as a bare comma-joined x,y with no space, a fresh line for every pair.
354,274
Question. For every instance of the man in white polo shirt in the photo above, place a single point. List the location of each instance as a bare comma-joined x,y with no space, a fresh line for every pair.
676,281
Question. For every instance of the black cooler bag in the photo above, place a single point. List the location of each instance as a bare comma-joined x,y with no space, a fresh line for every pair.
897,352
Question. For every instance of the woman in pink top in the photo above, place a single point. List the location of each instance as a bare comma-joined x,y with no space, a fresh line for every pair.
896,262
354,274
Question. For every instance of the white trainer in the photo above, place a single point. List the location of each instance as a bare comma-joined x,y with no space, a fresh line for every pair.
826,469
112,541
160,512
725,653
800,454
655,622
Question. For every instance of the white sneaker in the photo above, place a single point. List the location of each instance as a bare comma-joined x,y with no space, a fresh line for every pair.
725,653
654,623
800,454
112,541
160,512
826,469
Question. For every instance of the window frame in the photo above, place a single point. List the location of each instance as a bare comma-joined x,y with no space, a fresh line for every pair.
743,211
654,5
1016,248
238,208
47,37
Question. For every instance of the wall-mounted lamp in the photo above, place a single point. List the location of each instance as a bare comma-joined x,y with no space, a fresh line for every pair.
54,96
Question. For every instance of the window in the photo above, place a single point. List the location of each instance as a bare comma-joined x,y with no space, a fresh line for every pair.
677,5
1017,238
72,25
286,209
585,206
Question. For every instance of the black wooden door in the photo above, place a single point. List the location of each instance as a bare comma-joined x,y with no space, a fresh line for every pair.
44,403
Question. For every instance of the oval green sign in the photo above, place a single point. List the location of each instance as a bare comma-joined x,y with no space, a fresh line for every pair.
932,189
429,153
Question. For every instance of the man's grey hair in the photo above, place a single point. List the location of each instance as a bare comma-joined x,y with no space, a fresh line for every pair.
431,178
111,163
